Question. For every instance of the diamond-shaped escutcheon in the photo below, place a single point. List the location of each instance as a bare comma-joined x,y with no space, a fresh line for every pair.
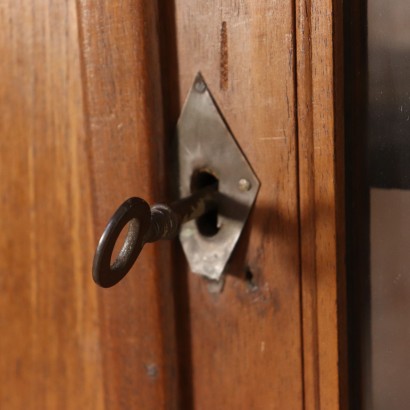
207,151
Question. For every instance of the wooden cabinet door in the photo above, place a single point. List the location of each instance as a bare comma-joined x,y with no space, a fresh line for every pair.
90,93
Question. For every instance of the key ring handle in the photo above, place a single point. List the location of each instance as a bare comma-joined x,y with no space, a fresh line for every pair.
137,212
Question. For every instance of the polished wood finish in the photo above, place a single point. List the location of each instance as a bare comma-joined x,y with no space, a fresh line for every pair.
122,92
80,135
51,344
321,183
74,144
245,342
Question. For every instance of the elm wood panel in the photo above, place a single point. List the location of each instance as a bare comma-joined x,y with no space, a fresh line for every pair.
123,103
50,341
243,346
320,136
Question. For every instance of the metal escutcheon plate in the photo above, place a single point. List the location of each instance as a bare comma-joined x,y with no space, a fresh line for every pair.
204,142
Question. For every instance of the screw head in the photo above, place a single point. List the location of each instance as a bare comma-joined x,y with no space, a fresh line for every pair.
199,86
244,185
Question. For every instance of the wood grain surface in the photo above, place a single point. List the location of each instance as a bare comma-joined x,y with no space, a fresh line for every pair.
319,79
89,94
122,91
245,343
74,144
50,343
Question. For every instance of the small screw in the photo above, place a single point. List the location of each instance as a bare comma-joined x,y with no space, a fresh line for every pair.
152,370
200,86
244,185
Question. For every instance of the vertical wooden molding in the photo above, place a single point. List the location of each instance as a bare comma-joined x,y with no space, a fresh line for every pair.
121,76
307,207
321,183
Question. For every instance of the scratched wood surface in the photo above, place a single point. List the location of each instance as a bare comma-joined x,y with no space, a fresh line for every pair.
243,346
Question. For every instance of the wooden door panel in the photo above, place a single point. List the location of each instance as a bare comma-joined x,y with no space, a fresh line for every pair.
90,93
122,92
319,55
49,313
245,343
75,142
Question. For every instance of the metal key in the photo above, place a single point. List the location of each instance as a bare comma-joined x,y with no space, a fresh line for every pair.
146,224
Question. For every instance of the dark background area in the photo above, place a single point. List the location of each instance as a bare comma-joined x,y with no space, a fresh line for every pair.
377,152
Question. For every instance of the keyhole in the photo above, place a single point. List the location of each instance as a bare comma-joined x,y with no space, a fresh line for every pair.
207,224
